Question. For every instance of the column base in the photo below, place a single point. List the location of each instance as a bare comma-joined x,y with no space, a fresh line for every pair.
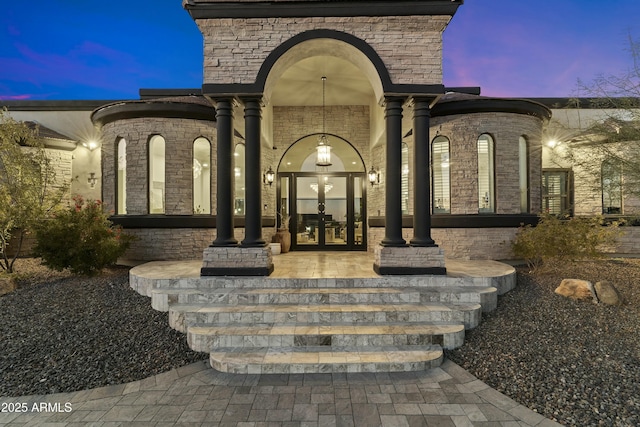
409,260
237,261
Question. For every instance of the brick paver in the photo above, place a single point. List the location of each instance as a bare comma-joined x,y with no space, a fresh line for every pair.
197,395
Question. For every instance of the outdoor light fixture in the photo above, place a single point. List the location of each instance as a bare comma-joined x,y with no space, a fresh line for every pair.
323,149
91,145
269,176
92,180
374,177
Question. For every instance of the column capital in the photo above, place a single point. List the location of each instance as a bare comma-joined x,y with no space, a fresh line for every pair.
387,99
245,99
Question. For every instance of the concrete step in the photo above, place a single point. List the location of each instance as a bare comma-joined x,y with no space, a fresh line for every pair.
183,315
208,338
487,297
323,359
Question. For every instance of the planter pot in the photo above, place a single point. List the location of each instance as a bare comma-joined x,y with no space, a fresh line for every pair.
284,238
275,248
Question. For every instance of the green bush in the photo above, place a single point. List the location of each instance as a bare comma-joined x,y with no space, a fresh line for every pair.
556,240
81,239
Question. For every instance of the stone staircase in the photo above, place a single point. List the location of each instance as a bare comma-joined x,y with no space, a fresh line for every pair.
303,325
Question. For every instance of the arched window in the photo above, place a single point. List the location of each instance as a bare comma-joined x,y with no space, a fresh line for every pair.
441,176
238,172
523,169
611,187
156,175
486,179
405,178
121,178
201,176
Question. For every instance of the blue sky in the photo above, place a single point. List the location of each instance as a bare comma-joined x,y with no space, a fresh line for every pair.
82,49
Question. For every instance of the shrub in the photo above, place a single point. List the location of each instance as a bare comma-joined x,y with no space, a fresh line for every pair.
81,239
556,240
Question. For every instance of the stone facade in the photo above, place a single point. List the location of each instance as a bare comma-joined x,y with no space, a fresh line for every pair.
408,257
409,46
179,135
237,261
463,243
505,129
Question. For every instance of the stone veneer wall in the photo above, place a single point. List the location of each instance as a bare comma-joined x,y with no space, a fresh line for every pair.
505,129
349,122
154,244
461,243
179,135
409,46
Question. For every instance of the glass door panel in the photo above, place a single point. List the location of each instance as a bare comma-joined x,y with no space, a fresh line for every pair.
358,212
335,209
307,217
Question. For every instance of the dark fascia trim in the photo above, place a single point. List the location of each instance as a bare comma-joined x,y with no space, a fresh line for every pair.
586,103
233,90
36,105
465,221
408,271
469,90
300,9
242,271
136,109
491,105
168,93
178,221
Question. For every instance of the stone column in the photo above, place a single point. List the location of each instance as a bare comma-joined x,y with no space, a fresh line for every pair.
225,257
421,176
393,176
225,175
253,175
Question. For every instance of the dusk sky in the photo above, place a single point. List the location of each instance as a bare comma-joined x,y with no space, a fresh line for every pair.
89,49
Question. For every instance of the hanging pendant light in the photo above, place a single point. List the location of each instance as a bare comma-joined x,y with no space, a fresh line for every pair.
323,149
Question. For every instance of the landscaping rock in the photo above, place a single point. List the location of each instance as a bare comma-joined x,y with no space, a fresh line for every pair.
575,289
608,294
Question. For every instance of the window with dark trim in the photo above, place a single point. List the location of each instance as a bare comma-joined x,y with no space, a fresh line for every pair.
121,177
523,172
440,175
486,174
157,178
557,191
201,176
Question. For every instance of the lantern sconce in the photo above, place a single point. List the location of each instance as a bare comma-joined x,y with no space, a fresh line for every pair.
268,177
92,180
374,177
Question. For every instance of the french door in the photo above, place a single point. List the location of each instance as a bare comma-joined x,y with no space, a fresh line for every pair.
327,210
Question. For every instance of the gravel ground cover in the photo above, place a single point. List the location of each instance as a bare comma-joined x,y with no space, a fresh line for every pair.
61,333
572,361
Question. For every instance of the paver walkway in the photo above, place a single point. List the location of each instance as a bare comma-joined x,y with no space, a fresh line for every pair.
196,395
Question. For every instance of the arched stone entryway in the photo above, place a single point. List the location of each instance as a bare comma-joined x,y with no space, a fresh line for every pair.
287,88
326,205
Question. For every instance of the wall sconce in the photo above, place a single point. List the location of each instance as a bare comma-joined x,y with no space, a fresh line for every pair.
91,144
268,177
374,177
92,180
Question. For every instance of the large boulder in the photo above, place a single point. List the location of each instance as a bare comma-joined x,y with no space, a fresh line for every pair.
608,294
575,289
